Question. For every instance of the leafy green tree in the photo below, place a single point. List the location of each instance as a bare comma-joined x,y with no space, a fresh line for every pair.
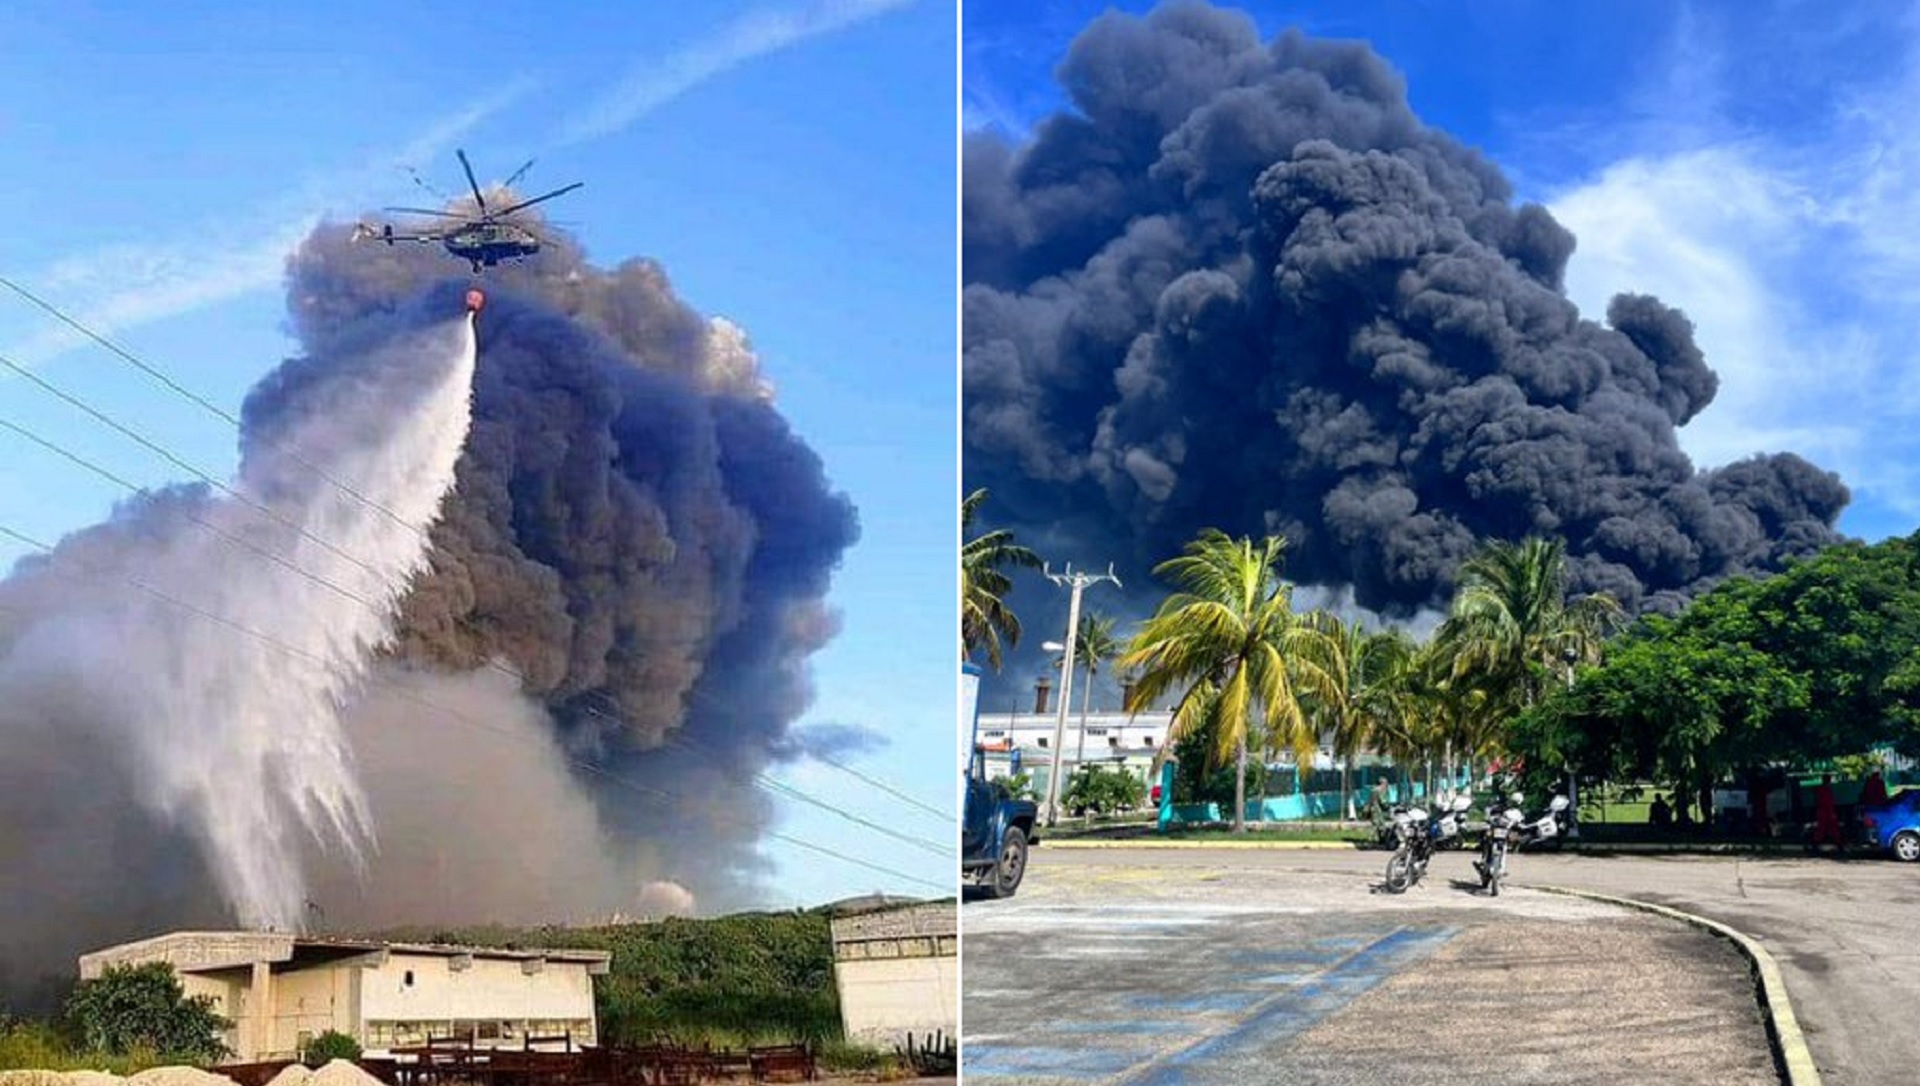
131,1008
1197,778
985,618
1230,642
1020,785
1820,661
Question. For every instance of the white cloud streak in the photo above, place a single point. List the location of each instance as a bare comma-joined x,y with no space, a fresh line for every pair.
124,286
753,35
1796,253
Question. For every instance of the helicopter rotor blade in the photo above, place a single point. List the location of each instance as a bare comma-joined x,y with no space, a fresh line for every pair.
468,166
538,199
518,174
442,213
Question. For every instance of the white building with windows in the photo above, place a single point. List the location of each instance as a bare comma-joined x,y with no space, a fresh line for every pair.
280,991
1021,740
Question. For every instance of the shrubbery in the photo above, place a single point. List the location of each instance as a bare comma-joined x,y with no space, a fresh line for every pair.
749,978
331,1045
140,1009
1103,791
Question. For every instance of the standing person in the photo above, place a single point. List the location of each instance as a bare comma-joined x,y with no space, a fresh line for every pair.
1762,824
1826,817
1659,815
1379,811
1874,792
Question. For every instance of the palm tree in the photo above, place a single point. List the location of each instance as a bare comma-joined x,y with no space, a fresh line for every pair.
1230,638
1092,643
1366,695
1511,631
985,618
1512,627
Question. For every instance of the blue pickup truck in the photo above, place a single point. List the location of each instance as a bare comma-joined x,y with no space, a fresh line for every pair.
998,827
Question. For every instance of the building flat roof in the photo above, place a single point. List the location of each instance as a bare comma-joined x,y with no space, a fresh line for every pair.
201,951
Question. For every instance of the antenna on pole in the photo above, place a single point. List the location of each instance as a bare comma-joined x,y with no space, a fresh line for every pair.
1078,582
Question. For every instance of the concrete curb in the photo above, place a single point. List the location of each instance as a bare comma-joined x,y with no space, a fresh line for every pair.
1071,842
1790,1046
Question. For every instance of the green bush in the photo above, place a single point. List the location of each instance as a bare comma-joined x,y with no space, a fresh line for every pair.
131,1009
1103,791
751,978
331,1045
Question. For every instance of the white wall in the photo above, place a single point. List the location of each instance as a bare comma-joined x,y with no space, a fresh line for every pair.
485,990
883,999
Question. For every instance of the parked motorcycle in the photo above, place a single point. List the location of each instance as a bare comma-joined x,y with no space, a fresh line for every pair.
1449,830
1549,827
1502,823
1417,835
1413,848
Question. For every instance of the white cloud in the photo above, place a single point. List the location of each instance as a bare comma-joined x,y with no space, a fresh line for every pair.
755,34
123,286
1796,253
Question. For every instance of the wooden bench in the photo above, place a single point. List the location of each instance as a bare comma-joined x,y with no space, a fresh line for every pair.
782,1063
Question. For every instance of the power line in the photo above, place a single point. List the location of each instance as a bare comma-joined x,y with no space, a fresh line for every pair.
193,397
218,532
456,715
168,455
784,788
382,612
944,816
385,613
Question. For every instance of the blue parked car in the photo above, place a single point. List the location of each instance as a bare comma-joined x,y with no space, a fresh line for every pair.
1895,825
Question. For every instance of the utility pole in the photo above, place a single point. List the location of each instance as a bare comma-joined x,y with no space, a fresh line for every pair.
1573,779
1078,582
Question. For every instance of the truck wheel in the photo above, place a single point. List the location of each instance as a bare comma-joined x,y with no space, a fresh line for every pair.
1906,846
1005,876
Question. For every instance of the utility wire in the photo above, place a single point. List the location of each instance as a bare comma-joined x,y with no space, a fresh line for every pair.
944,816
168,455
193,397
214,409
384,613
453,714
784,788
217,531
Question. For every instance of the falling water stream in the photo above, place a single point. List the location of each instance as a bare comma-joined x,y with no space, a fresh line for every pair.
214,644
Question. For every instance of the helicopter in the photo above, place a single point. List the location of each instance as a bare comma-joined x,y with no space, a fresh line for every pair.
482,239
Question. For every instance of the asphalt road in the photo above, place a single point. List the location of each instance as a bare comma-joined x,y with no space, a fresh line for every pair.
1845,932
1212,967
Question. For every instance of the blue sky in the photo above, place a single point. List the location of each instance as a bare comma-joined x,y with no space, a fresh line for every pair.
791,163
1753,163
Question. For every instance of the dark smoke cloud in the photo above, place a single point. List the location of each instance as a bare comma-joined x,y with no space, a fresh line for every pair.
1241,285
635,530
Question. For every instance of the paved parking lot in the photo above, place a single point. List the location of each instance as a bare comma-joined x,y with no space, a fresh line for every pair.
1225,967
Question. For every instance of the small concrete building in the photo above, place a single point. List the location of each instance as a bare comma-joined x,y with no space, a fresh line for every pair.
282,990
897,968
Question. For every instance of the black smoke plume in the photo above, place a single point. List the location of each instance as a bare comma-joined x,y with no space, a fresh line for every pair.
635,531
626,584
1239,284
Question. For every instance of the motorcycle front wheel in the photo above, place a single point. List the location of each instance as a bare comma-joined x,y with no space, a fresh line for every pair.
1400,872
